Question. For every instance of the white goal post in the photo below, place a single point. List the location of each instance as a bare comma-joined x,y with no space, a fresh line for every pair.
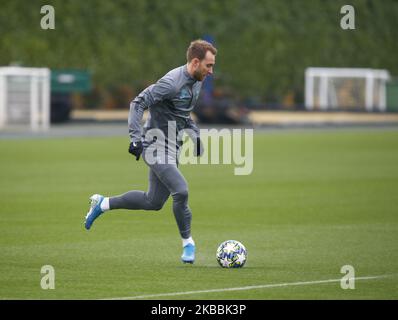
25,97
345,88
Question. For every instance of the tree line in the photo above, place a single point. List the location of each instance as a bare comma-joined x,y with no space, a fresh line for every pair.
264,45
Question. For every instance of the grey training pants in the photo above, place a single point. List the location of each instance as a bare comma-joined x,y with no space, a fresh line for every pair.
164,179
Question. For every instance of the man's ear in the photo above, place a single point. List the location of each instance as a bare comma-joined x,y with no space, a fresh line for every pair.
195,62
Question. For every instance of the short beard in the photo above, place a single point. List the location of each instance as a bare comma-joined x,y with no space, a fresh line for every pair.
198,75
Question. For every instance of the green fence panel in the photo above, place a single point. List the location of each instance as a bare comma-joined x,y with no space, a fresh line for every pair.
68,81
392,95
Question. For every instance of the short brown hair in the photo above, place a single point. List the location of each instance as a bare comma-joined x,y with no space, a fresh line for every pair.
198,49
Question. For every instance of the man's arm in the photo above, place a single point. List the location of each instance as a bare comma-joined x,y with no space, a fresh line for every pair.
163,89
195,136
192,125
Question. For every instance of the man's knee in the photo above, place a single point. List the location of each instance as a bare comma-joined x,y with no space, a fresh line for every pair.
155,203
181,195
156,206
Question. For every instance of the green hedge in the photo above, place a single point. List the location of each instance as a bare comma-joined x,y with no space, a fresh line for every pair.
264,45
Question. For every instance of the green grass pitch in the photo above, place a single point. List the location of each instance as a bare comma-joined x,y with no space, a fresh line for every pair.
316,200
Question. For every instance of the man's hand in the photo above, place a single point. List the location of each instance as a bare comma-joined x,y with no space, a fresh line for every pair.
198,147
136,149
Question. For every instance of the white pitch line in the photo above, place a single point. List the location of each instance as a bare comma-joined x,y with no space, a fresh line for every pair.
264,286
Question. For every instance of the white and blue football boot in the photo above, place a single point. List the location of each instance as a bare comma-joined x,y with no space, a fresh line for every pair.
188,254
95,210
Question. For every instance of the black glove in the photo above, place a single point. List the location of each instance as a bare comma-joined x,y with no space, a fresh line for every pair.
198,147
136,149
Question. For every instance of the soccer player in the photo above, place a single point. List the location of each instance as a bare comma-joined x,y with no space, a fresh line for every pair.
170,102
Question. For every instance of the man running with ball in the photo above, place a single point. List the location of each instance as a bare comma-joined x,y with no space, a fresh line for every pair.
170,102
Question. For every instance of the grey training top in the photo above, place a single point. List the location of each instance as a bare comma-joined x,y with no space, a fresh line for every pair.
172,98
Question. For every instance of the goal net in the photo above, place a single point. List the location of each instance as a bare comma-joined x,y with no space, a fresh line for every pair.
345,89
25,97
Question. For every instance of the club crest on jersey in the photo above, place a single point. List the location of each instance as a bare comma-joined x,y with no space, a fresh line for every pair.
185,94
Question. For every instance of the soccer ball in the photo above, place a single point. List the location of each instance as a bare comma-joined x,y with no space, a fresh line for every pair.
231,254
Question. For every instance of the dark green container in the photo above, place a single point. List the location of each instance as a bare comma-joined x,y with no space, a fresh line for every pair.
69,80
392,95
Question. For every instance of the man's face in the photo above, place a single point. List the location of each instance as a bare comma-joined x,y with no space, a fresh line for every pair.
204,67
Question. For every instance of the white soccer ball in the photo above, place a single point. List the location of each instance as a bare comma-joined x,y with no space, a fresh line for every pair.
231,254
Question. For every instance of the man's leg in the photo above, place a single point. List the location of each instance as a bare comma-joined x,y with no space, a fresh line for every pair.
154,199
175,182
171,177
